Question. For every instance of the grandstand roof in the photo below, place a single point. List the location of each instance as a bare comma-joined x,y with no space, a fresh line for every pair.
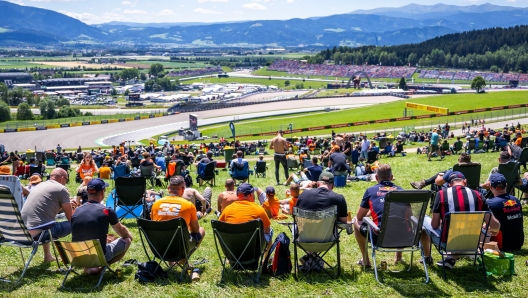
13,74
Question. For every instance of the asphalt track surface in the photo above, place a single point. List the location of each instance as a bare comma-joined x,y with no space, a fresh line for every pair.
114,133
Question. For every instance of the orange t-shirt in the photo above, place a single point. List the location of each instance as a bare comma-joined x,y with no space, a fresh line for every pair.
518,141
292,203
244,211
86,170
105,172
273,205
171,207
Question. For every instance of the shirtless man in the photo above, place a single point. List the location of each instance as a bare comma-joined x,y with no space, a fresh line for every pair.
280,146
339,141
228,196
201,202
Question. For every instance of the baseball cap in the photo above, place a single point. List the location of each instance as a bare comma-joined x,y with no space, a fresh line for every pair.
497,180
96,185
270,189
245,188
454,175
326,177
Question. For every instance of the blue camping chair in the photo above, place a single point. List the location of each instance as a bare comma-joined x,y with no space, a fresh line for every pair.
240,173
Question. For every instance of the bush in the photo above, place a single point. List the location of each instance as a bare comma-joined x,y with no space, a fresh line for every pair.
5,113
24,112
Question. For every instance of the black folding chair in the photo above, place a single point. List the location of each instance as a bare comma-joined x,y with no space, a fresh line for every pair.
524,157
403,215
240,247
209,175
462,235
129,194
372,156
510,170
472,173
33,170
316,233
14,233
148,173
260,169
169,241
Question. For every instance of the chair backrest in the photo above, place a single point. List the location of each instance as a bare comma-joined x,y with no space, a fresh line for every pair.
120,170
147,171
33,170
372,156
12,227
65,160
307,163
510,170
241,172
471,172
445,146
260,167
472,143
524,142
458,146
130,190
12,182
315,226
355,156
403,214
244,242
208,171
524,156
292,163
65,167
463,230
168,240
81,254
135,162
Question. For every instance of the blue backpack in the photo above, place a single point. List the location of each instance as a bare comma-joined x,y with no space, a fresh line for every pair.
281,263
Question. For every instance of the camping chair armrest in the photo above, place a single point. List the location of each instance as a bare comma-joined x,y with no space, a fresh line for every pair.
414,219
372,225
433,232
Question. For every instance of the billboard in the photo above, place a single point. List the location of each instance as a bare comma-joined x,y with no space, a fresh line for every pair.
193,122
431,109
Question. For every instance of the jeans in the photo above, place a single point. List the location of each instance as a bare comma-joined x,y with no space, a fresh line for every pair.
363,154
360,170
428,228
58,230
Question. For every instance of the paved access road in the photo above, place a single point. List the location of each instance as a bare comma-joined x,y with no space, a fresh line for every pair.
114,133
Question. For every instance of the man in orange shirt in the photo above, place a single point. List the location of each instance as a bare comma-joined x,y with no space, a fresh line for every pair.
174,206
245,209
272,204
288,204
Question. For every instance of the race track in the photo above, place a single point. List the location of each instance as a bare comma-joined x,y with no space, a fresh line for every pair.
114,133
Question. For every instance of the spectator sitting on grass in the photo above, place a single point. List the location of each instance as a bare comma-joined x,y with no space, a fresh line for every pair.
437,179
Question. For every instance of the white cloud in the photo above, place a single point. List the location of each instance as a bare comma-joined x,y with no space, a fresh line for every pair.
126,3
166,12
290,1
206,11
262,0
203,1
55,0
19,2
134,11
256,6
95,19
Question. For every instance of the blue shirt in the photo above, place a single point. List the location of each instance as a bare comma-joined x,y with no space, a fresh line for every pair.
315,171
434,138
374,199
507,210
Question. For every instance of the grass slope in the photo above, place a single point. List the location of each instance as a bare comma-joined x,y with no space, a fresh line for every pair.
463,281
455,102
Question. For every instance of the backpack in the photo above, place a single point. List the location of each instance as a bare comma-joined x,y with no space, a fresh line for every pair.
149,271
188,180
281,263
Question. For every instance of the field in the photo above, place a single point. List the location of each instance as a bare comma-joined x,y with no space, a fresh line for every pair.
463,281
25,64
274,82
71,64
455,102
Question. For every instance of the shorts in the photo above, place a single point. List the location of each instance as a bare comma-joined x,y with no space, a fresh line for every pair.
114,249
428,228
303,178
363,230
434,148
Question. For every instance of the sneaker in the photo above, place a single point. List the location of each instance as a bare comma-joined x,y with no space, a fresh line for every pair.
442,157
448,263
418,184
428,260
429,160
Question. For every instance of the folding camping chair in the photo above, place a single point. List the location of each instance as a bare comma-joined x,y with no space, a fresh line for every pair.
206,173
119,170
316,232
129,193
510,170
292,163
241,173
168,241
403,215
463,234
240,247
13,231
33,170
148,173
82,254
524,157
472,173
457,146
372,156
260,169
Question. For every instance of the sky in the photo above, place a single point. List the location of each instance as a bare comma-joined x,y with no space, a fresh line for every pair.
173,11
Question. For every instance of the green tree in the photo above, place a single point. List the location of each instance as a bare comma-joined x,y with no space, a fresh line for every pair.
478,83
129,73
62,102
24,112
43,106
4,92
50,110
127,92
403,84
155,68
287,83
5,112
16,96
143,76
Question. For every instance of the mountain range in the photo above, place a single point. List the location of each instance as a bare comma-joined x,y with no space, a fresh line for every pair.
412,23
